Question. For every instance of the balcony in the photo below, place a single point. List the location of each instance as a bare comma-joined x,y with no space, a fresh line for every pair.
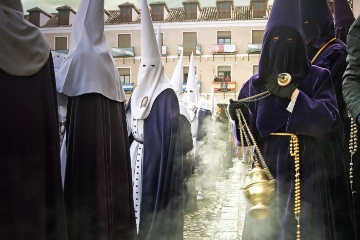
184,86
128,87
224,86
224,49
123,52
188,50
254,48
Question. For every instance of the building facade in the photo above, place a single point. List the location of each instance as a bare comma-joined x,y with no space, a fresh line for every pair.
225,40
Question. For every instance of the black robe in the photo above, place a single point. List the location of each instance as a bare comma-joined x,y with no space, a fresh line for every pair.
98,185
31,197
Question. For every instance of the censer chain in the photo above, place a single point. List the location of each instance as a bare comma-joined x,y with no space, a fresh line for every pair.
256,97
243,125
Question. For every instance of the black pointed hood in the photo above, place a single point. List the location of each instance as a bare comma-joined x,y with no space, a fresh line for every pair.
343,17
283,47
318,22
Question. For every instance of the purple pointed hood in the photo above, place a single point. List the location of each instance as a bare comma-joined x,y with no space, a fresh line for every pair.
343,17
318,22
283,47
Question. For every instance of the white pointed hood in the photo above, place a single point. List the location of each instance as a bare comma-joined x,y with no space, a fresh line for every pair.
23,48
89,68
177,78
177,82
192,92
151,79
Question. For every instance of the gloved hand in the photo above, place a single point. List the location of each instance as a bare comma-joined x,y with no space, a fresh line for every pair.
272,85
237,105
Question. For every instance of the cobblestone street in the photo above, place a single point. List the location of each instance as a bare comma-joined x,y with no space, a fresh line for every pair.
221,214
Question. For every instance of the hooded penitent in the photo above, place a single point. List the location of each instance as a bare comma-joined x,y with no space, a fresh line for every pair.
98,186
89,68
343,17
177,78
318,23
177,84
151,79
283,47
283,51
31,198
192,92
30,53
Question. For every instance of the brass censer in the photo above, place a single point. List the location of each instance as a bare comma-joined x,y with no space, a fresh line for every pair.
260,189
259,192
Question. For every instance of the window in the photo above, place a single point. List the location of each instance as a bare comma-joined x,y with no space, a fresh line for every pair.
124,75
224,72
257,36
186,73
223,37
126,14
255,69
64,17
61,43
224,9
259,9
157,13
189,43
124,40
190,11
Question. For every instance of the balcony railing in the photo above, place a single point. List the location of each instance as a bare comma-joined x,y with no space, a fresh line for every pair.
128,87
188,50
123,52
223,48
184,86
254,48
224,86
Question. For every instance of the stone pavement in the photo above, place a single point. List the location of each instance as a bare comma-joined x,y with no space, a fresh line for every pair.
221,214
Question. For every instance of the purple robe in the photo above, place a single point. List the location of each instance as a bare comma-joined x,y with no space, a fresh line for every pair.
98,183
335,145
162,208
31,197
314,114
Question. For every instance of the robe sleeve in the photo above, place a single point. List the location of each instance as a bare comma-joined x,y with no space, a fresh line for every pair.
315,112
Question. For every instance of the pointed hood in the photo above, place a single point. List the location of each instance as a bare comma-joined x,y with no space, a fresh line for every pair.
283,51
151,79
192,92
177,78
24,49
343,17
89,68
177,82
158,39
283,47
318,23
